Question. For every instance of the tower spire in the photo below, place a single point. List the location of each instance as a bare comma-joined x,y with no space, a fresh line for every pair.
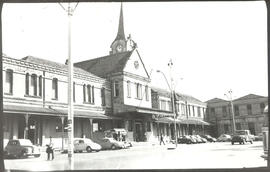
120,43
121,33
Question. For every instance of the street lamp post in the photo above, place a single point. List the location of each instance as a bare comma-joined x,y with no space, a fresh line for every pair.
173,108
231,103
70,12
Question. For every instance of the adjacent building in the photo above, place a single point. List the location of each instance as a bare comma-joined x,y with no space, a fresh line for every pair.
248,114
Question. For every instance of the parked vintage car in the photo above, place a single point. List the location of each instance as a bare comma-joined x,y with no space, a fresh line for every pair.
111,143
119,134
224,138
21,148
185,140
242,136
85,144
202,140
195,140
209,138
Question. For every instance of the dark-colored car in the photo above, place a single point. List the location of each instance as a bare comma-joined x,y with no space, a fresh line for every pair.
185,140
20,148
209,138
111,143
242,136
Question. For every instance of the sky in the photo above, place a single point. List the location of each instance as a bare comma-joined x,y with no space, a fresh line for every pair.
214,46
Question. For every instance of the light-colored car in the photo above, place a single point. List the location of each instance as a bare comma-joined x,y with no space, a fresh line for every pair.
85,144
111,143
21,148
224,138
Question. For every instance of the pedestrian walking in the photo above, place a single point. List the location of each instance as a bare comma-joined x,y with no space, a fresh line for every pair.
161,140
49,150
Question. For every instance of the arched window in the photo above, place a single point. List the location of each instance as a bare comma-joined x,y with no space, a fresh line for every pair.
9,81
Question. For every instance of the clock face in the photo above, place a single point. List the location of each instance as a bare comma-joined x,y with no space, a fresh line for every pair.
136,64
119,48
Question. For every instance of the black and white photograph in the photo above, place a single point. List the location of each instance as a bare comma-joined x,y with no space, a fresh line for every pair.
134,85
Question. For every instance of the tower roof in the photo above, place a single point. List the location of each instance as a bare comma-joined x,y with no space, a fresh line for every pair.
120,34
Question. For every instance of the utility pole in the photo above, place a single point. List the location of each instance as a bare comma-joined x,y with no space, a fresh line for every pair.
231,104
170,64
70,12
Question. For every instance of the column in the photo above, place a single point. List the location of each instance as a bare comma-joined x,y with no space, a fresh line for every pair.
91,128
26,117
62,131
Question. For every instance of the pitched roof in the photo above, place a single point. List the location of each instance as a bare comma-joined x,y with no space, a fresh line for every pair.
60,66
103,66
215,100
179,96
249,96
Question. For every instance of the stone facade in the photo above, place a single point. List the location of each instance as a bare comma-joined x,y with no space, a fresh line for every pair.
248,114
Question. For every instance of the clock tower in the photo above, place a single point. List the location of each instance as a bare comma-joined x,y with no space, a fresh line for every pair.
120,43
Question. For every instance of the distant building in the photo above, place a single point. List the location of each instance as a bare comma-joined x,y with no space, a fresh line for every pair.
248,111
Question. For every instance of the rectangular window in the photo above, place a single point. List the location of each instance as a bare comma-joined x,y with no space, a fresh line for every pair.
103,96
226,128
33,86
84,93
146,93
199,111
236,110
40,86
148,126
55,88
116,88
162,105
189,110
193,110
130,126
128,89
93,95
27,84
249,109
238,126
88,91
224,111
9,81
74,92
139,91
169,106
183,107
262,106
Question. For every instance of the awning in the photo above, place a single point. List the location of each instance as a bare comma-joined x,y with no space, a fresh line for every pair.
167,120
194,121
54,112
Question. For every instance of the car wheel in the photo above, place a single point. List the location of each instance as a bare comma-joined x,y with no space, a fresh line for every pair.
88,149
22,155
232,143
113,147
251,142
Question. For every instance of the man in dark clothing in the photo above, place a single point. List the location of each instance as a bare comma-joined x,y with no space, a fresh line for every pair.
49,150
161,140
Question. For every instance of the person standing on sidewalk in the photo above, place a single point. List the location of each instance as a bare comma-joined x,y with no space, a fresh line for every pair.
50,150
161,139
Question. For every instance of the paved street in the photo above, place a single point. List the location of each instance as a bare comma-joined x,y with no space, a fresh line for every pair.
208,155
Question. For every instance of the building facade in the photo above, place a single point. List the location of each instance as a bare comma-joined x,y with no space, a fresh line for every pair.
248,114
112,91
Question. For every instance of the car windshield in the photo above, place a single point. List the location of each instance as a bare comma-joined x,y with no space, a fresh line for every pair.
240,132
25,142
